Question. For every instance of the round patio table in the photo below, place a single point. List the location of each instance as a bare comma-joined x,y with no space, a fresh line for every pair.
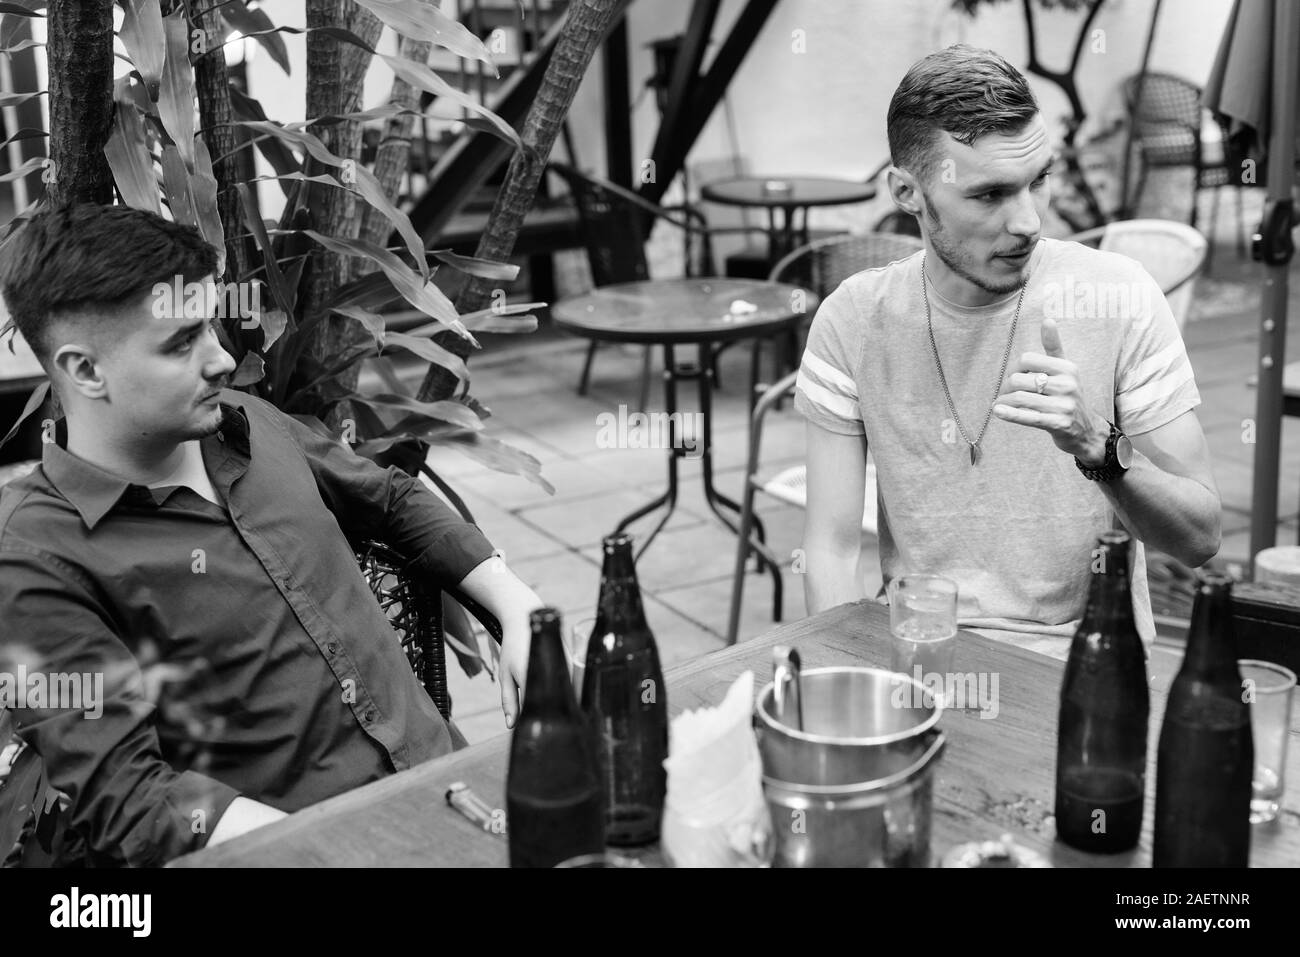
788,194
681,312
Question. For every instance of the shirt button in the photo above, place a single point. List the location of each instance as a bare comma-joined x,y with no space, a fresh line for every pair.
370,714
221,436
332,647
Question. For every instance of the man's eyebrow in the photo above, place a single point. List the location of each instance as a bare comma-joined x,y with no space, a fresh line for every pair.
184,332
985,186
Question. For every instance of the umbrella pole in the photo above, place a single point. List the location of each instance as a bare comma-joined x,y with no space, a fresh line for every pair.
1274,247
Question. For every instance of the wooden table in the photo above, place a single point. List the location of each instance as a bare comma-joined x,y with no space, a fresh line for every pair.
996,776
690,311
788,195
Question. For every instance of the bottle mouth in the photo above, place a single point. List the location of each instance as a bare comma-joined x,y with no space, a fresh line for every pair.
618,540
544,616
1115,537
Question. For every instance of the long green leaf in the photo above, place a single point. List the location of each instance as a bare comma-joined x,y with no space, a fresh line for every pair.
273,323
445,410
176,90
20,46
251,369
421,20
18,10
128,158
26,133
284,297
493,319
31,166
276,153
34,402
373,323
430,352
204,185
176,183
144,38
433,432
256,24
500,457
425,296
17,99
423,78
325,373
366,184
473,266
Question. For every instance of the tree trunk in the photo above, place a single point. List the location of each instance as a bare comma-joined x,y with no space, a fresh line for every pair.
584,31
394,153
80,52
212,81
335,72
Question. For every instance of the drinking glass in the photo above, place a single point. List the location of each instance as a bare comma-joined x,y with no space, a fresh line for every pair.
923,630
1268,688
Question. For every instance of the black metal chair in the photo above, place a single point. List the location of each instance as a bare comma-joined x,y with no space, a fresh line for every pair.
1167,117
821,267
33,835
615,224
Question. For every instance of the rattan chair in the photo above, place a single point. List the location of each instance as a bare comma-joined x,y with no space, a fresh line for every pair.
1172,253
1167,119
820,266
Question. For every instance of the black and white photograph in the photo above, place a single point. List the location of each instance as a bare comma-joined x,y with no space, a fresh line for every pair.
649,434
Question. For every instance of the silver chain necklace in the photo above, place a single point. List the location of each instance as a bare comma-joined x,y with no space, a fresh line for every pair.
997,386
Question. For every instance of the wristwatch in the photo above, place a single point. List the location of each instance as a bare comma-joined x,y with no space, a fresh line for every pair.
1119,456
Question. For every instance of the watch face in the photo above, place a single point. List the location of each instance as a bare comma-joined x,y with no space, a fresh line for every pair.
1124,451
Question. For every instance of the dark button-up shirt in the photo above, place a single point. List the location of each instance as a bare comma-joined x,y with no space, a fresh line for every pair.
241,649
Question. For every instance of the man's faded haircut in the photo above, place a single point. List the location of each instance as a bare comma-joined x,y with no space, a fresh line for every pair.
962,90
85,262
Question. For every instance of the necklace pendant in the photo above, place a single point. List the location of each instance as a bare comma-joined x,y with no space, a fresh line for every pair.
974,452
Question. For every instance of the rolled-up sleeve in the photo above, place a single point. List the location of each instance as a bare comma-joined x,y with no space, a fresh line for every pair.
388,504
98,742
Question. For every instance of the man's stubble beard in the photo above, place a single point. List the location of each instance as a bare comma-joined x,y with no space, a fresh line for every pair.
952,259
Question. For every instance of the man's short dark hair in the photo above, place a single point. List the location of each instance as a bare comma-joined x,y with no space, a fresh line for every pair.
964,91
87,259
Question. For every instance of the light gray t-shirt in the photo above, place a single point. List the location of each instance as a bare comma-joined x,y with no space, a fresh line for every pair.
1017,530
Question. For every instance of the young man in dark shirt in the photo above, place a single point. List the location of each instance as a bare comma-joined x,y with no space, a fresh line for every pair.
178,523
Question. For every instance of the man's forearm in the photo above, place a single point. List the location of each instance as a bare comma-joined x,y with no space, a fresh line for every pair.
1175,514
831,578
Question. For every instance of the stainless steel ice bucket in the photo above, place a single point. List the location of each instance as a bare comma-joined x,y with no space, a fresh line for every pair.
853,787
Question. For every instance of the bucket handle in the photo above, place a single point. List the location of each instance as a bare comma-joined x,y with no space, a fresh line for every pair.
787,701
883,784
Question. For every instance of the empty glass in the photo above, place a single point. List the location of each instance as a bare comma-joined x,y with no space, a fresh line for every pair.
923,629
1267,688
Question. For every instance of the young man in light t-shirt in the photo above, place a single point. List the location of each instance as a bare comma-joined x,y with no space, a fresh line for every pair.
1017,394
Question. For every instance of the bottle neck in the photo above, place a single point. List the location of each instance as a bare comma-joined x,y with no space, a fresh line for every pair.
1110,602
548,688
1211,648
620,607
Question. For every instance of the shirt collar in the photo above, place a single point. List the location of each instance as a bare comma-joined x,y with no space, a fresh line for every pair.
94,491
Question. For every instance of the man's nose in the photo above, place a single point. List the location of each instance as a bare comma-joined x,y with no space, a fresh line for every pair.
1024,219
220,364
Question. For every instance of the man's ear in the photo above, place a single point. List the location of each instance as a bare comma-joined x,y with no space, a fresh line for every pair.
904,190
77,365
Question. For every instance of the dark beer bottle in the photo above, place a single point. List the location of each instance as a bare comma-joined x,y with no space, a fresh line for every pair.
1207,755
553,809
623,697
1101,743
